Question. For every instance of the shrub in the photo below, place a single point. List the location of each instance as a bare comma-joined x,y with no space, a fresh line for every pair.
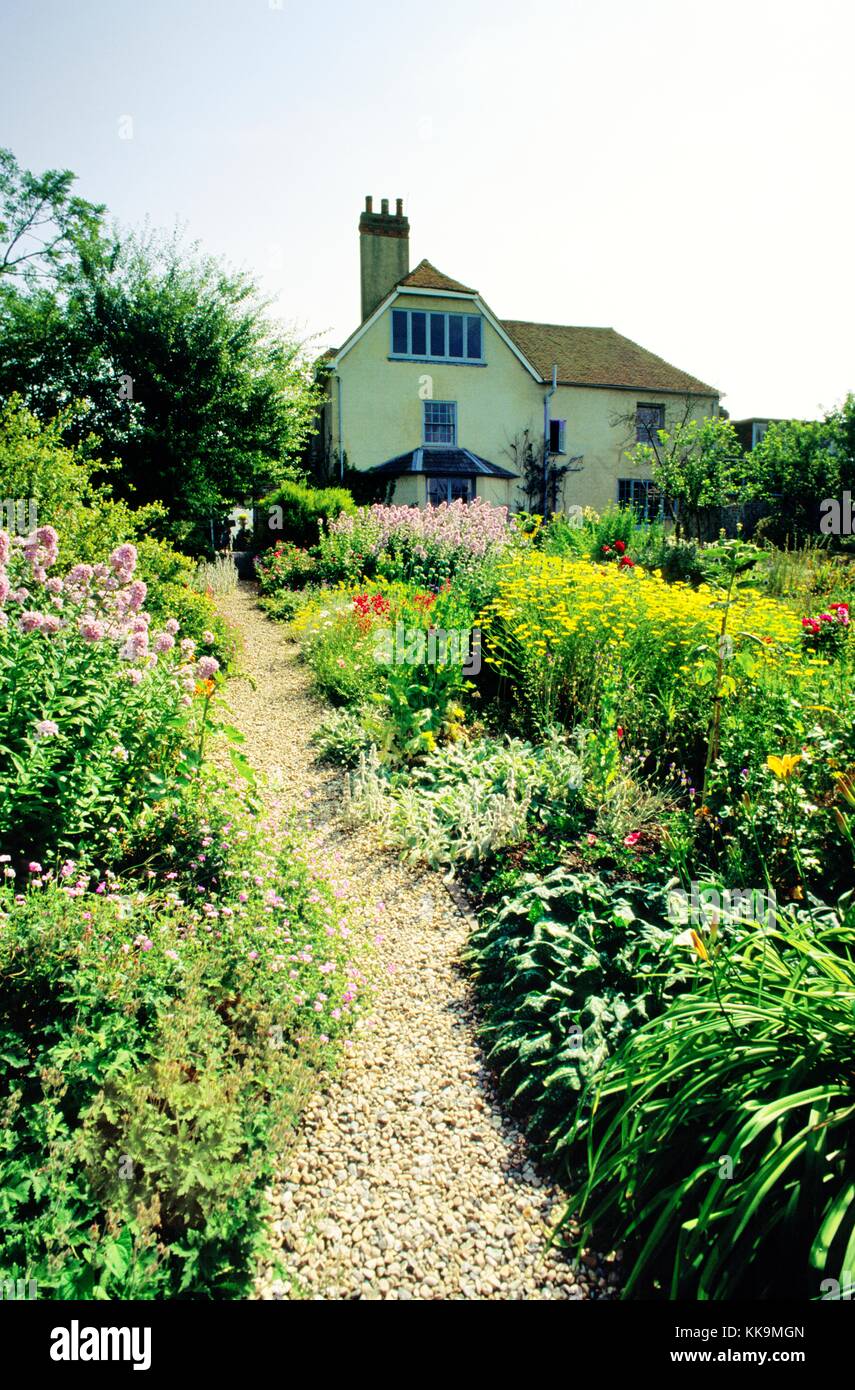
173,592
423,546
303,511
285,566
35,465
340,738
466,801
157,1054
565,968
93,704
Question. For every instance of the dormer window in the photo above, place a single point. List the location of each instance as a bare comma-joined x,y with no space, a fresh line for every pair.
437,337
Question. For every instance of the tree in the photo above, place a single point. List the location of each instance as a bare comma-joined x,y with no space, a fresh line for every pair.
173,362
46,232
796,465
695,465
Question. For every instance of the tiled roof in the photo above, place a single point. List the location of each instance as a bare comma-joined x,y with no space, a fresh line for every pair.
427,277
598,357
435,462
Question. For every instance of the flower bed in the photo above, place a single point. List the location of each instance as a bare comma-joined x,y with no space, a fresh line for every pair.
169,987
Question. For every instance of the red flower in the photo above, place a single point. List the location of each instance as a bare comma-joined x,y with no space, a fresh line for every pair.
620,547
626,562
607,550
620,731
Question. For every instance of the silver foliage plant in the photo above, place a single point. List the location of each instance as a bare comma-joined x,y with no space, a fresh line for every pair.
465,800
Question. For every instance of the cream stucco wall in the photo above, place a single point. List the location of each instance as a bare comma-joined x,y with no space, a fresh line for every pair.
382,411
601,427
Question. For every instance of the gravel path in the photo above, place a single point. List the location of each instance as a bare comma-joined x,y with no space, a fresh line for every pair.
407,1180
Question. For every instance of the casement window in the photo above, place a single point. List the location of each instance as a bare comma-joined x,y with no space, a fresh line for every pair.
642,494
437,337
440,422
449,490
648,419
557,432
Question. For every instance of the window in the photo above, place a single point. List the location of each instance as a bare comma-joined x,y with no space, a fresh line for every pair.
418,330
642,494
440,422
449,490
758,429
648,419
399,331
438,336
557,430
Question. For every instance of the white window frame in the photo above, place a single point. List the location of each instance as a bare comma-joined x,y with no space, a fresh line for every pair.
471,487
445,443
428,356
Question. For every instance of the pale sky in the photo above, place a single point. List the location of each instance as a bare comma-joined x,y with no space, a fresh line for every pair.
677,170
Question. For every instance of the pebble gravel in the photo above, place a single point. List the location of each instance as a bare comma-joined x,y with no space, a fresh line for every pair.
407,1179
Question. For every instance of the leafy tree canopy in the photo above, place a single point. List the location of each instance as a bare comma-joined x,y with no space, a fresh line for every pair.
46,232
695,465
171,359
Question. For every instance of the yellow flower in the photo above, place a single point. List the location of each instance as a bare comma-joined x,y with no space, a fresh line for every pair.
782,768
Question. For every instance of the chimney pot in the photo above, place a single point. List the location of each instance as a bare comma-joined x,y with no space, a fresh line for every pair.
384,207
399,207
368,203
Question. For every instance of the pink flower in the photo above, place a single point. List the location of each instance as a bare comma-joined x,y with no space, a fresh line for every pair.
164,642
633,838
135,647
207,667
46,728
30,621
5,586
124,561
135,595
34,867
134,675
4,547
90,629
172,625
80,575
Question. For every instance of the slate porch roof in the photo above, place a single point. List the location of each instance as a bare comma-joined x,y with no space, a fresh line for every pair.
442,462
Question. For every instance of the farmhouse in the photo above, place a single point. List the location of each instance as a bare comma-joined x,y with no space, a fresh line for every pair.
439,395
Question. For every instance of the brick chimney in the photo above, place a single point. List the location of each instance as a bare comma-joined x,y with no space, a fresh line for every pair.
384,251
